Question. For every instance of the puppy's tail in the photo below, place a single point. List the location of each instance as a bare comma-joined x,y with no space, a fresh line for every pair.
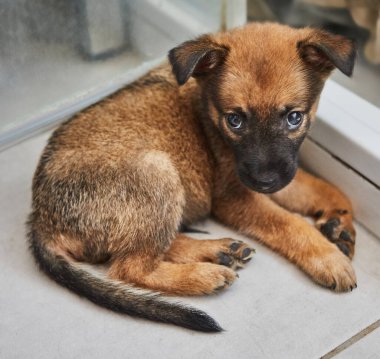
117,296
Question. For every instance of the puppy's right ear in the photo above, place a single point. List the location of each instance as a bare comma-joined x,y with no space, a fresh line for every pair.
325,51
196,58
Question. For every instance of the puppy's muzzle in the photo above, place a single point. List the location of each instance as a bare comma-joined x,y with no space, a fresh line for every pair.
265,182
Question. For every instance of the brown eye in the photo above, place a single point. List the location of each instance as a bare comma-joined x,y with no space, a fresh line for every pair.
294,119
234,120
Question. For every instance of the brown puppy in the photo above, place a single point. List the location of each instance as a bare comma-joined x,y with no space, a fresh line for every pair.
116,182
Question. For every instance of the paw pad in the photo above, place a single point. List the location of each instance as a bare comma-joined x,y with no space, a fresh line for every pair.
338,230
235,255
235,246
319,214
328,228
225,259
346,236
343,247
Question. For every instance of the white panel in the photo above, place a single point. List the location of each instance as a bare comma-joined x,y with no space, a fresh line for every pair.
349,127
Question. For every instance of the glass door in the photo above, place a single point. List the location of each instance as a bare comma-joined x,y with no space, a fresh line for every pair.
58,56
356,19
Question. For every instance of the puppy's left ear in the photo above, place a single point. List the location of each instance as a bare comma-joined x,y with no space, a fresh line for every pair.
325,51
196,58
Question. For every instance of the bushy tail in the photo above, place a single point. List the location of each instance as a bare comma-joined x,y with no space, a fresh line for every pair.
117,296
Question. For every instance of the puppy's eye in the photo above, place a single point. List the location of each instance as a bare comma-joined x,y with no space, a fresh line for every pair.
234,120
294,119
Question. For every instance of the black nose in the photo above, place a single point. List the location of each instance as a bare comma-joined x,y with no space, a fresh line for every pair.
265,182
258,179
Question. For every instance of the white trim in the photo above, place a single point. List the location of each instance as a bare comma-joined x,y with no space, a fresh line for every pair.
349,128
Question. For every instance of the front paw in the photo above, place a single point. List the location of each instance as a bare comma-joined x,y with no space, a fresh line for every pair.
332,270
337,227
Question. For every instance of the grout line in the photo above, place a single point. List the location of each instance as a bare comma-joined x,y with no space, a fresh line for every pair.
352,340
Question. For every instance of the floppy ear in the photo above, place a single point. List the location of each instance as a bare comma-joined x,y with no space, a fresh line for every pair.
196,58
325,51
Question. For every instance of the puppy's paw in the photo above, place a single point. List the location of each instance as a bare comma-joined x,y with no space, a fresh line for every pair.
210,278
225,251
233,253
337,227
332,270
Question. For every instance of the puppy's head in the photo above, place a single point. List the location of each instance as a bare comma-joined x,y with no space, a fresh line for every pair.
261,85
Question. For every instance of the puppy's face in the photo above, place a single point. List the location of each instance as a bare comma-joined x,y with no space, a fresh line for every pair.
261,85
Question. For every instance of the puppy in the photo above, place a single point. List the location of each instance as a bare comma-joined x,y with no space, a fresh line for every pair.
217,133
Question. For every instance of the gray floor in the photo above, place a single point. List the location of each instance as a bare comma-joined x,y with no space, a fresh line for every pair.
272,311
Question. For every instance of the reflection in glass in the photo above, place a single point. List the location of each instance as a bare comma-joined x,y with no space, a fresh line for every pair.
55,53
357,19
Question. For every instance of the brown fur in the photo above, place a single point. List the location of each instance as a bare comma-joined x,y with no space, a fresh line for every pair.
116,181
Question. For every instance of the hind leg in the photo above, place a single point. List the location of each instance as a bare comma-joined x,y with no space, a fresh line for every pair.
226,251
150,223
172,278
